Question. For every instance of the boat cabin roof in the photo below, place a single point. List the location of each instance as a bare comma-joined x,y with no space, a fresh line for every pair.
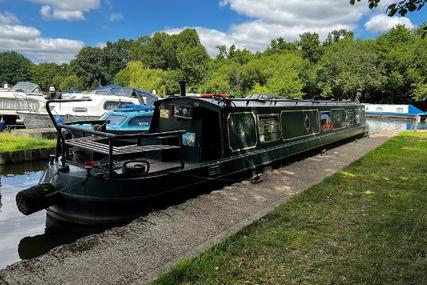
219,103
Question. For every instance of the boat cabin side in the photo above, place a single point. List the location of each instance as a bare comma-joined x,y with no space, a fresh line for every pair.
215,130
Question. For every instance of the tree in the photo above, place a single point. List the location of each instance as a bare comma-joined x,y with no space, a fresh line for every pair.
348,67
285,80
49,74
337,35
90,66
136,75
14,67
401,7
309,44
70,82
193,64
279,45
116,57
402,60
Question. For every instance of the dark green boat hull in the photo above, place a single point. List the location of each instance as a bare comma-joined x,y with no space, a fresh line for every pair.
89,200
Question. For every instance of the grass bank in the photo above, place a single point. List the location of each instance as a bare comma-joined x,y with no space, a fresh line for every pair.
10,142
364,225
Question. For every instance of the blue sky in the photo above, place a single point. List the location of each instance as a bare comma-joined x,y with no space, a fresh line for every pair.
54,30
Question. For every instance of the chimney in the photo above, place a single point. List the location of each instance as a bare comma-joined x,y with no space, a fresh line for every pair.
182,88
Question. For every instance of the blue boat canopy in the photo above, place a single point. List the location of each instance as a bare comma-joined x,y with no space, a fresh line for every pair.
145,96
134,108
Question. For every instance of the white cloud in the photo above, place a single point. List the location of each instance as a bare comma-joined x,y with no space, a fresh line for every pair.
115,17
70,10
277,18
18,32
297,12
28,41
8,18
382,23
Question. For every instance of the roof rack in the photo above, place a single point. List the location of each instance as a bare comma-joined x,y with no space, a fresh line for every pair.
227,101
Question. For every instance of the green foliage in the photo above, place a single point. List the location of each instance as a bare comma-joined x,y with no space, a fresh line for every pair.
10,142
135,75
49,74
311,49
70,82
389,69
401,7
14,68
337,35
89,65
116,56
420,92
349,67
285,82
279,45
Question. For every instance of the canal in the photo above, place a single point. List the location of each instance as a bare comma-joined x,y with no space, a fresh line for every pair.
24,237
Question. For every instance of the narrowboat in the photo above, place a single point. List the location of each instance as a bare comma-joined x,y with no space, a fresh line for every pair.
192,142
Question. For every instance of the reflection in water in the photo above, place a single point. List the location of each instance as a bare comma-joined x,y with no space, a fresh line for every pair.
25,237
377,124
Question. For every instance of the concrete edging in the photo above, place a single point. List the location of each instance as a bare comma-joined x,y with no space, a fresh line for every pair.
25,155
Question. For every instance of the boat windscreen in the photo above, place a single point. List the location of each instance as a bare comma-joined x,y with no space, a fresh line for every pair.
140,121
26,87
115,119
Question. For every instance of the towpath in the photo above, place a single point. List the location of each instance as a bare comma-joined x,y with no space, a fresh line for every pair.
149,246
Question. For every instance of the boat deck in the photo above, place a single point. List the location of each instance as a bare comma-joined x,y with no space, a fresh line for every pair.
94,143
157,165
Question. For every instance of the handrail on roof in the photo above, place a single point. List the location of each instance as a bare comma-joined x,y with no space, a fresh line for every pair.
263,100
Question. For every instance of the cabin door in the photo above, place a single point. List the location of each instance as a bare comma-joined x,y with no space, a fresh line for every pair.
210,143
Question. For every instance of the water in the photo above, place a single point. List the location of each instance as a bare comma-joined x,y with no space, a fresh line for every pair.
24,237
381,124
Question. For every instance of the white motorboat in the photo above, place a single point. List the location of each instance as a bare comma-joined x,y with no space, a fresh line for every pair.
24,96
97,103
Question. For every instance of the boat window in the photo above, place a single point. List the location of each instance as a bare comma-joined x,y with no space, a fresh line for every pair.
241,131
399,110
338,118
379,109
326,121
357,116
349,118
80,109
111,105
140,121
115,119
268,128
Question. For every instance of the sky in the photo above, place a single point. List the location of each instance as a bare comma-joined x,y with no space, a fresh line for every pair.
55,30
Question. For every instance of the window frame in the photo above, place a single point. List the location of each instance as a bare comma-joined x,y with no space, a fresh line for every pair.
229,136
271,115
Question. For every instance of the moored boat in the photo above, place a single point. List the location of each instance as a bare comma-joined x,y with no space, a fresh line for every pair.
25,96
93,106
129,118
104,177
403,111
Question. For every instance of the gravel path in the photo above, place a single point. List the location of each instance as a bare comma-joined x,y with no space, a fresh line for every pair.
149,246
